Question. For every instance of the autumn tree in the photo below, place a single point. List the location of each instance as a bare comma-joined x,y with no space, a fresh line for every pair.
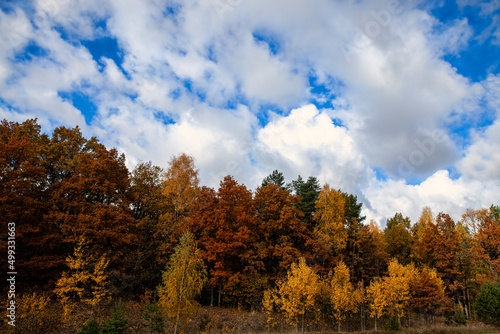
182,281
25,199
424,239
398,238
391,294
330,216
344,298
447,247
222,223
372,255
476,234
148,205
92,200
282,236
377,299
296,296
397,288
427,293
488,237
87,280
181,185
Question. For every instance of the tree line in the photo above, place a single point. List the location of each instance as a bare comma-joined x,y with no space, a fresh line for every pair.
300,250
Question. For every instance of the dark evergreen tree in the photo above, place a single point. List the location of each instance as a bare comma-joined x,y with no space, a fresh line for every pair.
276,178
308,193
487,304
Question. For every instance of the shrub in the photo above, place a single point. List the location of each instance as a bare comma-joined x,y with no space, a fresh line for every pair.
392,325
487,304
90,327
153,320
117,324
460,319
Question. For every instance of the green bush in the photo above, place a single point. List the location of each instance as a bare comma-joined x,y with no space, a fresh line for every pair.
487,304
460,319
90,327
117,324
153,318
392,325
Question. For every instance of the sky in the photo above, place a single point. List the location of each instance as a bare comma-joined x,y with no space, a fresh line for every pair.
396,102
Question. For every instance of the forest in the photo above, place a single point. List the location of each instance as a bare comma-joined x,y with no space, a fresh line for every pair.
100,248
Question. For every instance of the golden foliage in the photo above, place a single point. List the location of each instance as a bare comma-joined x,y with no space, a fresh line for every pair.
34,314
183,280
391,294
330,214
345,298
86,281
296,296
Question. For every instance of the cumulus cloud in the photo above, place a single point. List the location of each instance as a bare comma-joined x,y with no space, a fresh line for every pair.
307,142
439,191
232,84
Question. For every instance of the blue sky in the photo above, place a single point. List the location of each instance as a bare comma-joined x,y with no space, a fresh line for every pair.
394,101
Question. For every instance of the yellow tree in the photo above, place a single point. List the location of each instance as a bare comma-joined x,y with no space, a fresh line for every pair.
296,296
377,299
181,185
344,297
424,239
182,281
397,288
86,281
330,214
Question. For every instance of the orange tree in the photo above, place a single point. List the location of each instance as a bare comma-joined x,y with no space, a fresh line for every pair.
222,224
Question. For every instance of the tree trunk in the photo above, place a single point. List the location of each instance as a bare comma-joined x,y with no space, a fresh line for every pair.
362,322
180,298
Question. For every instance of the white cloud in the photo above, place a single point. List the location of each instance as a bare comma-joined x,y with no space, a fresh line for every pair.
439,192
392,92
306,142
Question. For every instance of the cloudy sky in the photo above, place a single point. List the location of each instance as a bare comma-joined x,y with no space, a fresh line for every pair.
394,101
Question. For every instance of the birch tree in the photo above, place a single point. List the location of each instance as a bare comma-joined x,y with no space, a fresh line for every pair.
182,281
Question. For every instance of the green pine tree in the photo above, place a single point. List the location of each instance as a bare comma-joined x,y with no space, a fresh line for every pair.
90,327
153,320
117,324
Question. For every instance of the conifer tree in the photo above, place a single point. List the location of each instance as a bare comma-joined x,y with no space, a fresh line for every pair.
117,324
86,281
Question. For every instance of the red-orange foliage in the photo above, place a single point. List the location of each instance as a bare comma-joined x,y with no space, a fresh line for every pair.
427,294
281,236
222,223
489,239
58,189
